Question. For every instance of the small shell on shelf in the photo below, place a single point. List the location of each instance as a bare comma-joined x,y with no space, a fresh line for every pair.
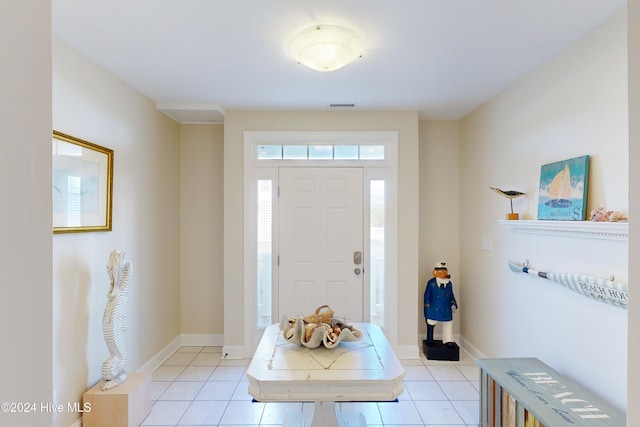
616,216
600,214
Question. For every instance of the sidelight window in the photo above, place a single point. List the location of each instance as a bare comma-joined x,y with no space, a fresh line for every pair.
265,251
377,223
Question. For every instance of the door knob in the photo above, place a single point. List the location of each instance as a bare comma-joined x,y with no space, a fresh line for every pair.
357,271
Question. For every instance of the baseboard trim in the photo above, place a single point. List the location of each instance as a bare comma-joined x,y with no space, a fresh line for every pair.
205,340
471,349
159,358
233,352
408,352
196,340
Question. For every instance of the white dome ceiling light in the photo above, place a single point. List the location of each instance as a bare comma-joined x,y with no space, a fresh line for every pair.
326,47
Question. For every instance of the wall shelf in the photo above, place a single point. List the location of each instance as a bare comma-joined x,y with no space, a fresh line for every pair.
580,229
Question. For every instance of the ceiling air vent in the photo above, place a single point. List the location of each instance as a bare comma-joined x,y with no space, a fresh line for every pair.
342,106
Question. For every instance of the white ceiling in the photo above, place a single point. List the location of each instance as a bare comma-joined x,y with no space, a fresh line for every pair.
443,58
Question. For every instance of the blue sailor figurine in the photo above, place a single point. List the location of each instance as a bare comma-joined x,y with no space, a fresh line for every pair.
439,304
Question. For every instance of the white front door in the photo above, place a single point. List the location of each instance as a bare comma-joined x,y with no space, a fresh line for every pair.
321,241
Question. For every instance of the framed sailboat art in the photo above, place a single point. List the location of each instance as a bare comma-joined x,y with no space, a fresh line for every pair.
563,190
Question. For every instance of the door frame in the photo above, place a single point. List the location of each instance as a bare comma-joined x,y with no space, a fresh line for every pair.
255,169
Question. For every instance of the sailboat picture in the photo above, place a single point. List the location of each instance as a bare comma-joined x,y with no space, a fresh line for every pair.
563,190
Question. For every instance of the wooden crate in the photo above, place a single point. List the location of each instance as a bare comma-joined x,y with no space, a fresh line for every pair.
524,392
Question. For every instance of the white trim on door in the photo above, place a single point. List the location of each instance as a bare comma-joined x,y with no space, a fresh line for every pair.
256,169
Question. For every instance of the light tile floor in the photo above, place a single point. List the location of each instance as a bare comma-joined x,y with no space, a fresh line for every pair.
196,387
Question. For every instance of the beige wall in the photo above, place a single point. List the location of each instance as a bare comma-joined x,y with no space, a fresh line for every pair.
88,108
92,104
439,210
202,230
574,104
633,414
238,121
25,217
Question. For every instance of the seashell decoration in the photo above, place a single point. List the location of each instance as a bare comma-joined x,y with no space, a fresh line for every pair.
600,214
317,329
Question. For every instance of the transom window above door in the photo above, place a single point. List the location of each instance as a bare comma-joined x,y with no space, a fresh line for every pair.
320,152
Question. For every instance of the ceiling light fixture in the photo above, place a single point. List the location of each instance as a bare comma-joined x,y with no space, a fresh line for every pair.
326,47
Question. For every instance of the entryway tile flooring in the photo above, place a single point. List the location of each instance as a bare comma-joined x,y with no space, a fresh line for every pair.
197,387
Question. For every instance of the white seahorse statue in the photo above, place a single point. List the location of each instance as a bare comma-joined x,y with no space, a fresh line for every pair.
114,321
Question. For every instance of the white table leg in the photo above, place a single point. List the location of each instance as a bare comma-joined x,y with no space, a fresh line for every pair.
324,415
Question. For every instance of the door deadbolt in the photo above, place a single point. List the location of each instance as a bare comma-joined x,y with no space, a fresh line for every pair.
357,258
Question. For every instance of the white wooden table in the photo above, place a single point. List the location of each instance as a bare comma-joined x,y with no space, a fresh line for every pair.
365,370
